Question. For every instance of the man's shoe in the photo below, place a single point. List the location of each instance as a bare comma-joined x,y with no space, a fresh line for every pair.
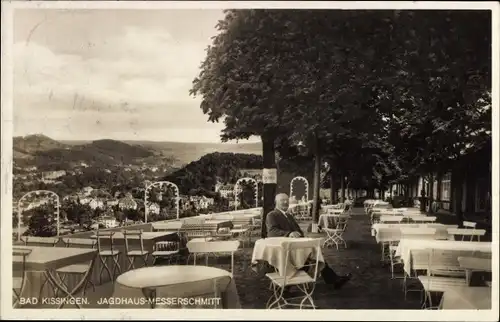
341,281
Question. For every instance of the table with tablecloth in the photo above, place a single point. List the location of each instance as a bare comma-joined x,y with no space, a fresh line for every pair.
405,247
271,251
329,220
41,265
392,232
467,298
175,286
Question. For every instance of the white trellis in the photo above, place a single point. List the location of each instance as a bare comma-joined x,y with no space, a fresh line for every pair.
39,193
306,183
237,190
161,184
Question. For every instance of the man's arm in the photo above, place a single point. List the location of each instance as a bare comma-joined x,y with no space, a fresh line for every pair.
297,226
273,227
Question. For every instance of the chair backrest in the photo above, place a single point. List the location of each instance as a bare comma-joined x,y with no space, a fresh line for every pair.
329,221
469,224
307,244
443,262
466,232
40,241
167,246
133,233
195,228
104,234
342,221
69,242
419,259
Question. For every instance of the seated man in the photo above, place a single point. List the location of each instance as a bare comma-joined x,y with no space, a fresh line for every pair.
279,223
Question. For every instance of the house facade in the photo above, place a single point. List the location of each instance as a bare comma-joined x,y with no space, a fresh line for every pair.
464,189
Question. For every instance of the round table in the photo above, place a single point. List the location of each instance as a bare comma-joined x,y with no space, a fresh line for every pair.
173,286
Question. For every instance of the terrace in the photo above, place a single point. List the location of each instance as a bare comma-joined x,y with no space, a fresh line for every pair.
372,286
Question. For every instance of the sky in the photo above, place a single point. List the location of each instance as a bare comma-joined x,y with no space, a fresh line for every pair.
119,74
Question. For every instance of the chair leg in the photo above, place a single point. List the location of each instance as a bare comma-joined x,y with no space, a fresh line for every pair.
145,259
131,261
104,267
117,267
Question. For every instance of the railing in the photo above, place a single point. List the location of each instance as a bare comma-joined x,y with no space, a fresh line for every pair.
36,278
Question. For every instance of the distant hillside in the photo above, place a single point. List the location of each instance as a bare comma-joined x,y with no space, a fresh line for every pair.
48,154
41,150
188,152
27,146
202,175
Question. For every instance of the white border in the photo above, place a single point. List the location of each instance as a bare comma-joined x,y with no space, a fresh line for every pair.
319,315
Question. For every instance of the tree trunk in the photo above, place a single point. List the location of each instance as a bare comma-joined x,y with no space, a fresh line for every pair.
269,186
431,193
333,190
457,195
317,184
342,188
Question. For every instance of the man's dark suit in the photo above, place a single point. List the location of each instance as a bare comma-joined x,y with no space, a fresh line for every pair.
280,225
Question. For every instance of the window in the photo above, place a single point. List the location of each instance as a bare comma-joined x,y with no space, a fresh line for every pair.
446,187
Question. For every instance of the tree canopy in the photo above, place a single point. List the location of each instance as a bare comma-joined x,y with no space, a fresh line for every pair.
382,95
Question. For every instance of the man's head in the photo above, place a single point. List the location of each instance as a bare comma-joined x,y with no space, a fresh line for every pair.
281,201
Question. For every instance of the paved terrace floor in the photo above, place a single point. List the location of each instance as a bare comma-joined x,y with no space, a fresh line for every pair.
370,288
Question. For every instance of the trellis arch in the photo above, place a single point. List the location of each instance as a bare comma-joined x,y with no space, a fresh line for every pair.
161,184
237,189
306,183
43,193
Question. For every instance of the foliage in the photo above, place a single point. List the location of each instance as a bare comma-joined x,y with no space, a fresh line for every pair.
41,222
201,176
441,107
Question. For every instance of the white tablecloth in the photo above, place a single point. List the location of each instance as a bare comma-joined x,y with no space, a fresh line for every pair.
323,219
467,298
271,251
405,247
176,286
392,232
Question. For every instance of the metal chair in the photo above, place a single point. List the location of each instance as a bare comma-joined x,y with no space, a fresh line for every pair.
467,232
301,279
444,272
104,254
166,250
335,235
77,269
195,229
19,282
419,262
137,253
